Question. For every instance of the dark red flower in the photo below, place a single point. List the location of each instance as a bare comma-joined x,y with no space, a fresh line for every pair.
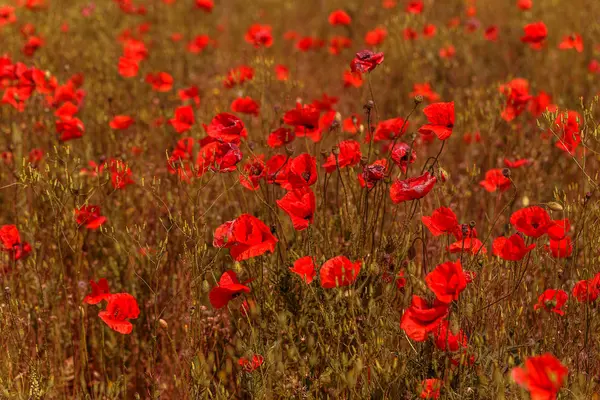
542,376
69,128
567,126
541,103
491,33
191,93
304,267
441,120
348,155
238,76
446,281
414,7
277,170
366,61
373,173
531,221
552,300
206,5
512,248
120,173
339,271
339,17
259,36
245,237
89,216
120,309
517,97
300,205
443,220
495,180
227,128
228,288
254,171
100,291
352,79
420,318
403,155
281,137
412,188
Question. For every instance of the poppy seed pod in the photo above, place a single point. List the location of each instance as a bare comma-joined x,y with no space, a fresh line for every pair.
418,99
506,172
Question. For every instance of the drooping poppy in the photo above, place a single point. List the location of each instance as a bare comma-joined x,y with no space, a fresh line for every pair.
120,309
245,237
542,376
412,188
512,248
552,300
89,216
304,267
227,289
447,281
339,271
420,318
300,205
100,292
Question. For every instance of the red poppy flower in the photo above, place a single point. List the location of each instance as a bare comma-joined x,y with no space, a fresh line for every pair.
535,34
120,309
259,36
541,103
594,67
306,117
352,124
586,291
302,172
414,7
179,161
121,122
199,43
251,365
348,155
409,34
573,41
281,137
339,271
277,170
120,174
495,180
443,220
254,171
227,128
558,229
420,318
375,37
339,17
352,79
245,105
36,156
491,33
89,216
304,267
446,340
69,128
542,376
447,52
446,281
524,5
429,30
517,163
10,237
390,129
441,120
228,288
567,126
160,82
100,291
183,120
191,93
218,156
245,237
552,300
238,76
561,248
366,61
373,173
338,43
412,188
430,388
467,245
128,68
512,248
517,97
206,5
424,90
281,72
32,45
401,157
300,205
531,221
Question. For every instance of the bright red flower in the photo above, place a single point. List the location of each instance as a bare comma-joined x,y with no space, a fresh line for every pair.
277,170
424,90
226,127
348,155
228,288
245,105
352,79
441,120
573,41
160,82
191,93
251,365
558,229
535,34
446,340
446,281
409,34
339,43
32,45
206,5
339,17
542,376
300,205
443,220
561,248
429,30
566,126
390,129
259,36
532,221
594,67
414,7
420,318
552,300
351,124
281,72
447,52
254,171
10,237
281,137
373,173
237,76
100,291
403,155
512,248
120,174
199,43
366,61
218,156
304,267
517,97
495,180
89,216
128,68
430,388
245,237
586,291
306,117
467,245
524,5
302,172
121,122
541,103
179,162
69,128
339,271
412,188
120,309
376,36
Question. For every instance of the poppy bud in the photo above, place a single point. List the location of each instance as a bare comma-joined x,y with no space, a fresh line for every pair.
163,324
554,206
472,224
506,172
289,150
335,150
418,99
369,106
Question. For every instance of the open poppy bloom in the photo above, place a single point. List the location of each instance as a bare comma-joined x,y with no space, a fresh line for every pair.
390,129
531,221
237,76
420,318
245,105
373,173
218,157
302,172
259,36
430,388
303,116
558,229
100,291
561,248
11,242
573,41
300,205
375,37
441,120
254,171
183,120
304,267
245,237
412,188
339,271
535,34
366,61
552,300
227,128
280,137
512,248
251,365
403,155
160,82
69,128
121,122
542,376
443,220
89,216
586,291
339,17
446,340
517,98
228,288
120,309
446,281
495,180
348,155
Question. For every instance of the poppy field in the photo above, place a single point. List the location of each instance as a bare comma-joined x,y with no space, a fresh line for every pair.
225,199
